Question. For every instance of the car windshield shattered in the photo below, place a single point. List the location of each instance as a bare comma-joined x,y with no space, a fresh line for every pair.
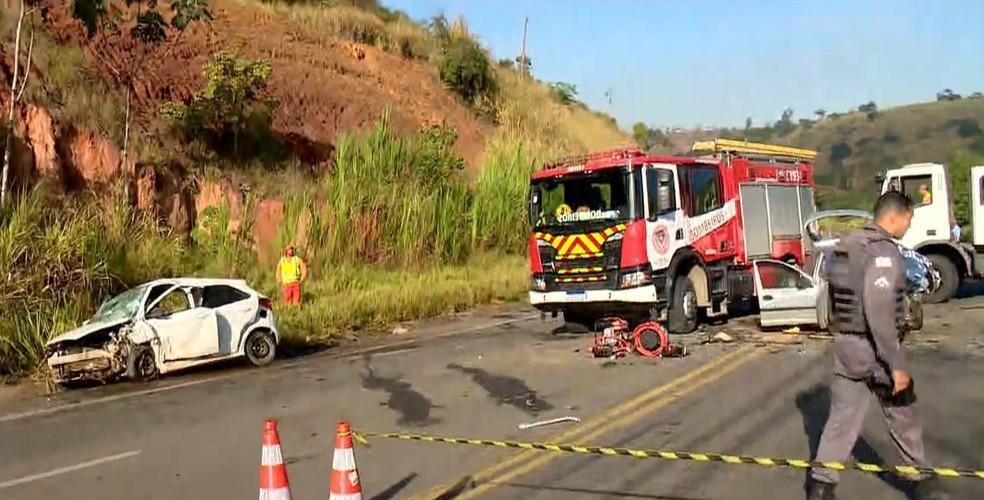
122,306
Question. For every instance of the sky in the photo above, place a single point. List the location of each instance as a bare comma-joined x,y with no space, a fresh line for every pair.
684,63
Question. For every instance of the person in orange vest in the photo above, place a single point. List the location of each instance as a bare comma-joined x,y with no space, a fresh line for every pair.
291,272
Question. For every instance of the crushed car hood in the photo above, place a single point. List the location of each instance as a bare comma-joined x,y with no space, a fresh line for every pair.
86,330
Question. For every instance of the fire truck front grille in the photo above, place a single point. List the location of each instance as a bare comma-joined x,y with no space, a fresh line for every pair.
590,271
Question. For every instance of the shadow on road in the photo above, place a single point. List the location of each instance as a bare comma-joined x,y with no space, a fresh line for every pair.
414,408
814,407
970,288
505,389
397,487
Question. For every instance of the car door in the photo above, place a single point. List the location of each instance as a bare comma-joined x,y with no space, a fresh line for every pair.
185,331
786,296
235,310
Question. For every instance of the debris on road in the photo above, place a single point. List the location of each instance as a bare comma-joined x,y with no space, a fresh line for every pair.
552,421
400,330
722,337
792,331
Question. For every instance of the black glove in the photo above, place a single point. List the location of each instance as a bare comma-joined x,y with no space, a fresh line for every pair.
884,393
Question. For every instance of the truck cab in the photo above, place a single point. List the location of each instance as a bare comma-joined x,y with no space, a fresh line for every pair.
646,237
934,231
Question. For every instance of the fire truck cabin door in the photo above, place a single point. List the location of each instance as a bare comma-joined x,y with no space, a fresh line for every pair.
786,296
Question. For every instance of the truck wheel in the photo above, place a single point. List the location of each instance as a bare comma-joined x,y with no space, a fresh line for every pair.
682,317
949,280
140,364
578,323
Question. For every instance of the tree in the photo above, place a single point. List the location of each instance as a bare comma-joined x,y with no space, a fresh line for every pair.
977,95
148,28
18,83
640,132
785,125
229,103
647,137
748,124
565,93
947,95
870,110
820,114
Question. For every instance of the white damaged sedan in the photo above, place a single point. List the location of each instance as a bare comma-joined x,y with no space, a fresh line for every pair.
167,325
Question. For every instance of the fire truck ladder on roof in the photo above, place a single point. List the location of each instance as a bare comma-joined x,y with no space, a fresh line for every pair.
613,154
745,148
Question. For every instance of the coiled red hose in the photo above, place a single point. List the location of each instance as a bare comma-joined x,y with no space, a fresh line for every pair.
650,326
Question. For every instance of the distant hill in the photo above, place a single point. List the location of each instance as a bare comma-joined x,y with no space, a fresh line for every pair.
853,147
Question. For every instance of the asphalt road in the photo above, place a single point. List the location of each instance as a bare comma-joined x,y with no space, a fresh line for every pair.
198,435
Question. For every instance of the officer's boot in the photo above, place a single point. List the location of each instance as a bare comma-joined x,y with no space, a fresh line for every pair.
819,490
930,489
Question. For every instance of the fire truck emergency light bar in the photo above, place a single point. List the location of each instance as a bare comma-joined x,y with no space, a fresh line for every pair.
752,148
613,154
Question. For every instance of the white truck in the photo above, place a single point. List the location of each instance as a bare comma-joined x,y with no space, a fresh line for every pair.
933,224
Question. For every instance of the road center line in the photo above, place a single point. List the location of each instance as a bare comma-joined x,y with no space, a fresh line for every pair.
626,420
711,370
344,355
70,468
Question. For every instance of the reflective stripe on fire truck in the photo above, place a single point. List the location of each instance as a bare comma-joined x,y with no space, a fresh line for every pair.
581,279
581,270
579,245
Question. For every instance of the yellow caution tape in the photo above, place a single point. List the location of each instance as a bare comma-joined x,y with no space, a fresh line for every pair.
905,470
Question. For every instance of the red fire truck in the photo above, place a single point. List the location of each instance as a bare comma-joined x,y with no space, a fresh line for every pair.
664,237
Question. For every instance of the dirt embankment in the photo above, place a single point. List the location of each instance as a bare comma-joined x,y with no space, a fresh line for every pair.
324,86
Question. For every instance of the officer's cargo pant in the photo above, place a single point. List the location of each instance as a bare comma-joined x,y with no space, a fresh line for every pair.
849,400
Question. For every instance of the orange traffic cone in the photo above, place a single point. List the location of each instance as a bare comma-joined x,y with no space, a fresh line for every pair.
345,484
273,473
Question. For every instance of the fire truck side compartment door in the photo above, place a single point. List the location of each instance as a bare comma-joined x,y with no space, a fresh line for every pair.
786,296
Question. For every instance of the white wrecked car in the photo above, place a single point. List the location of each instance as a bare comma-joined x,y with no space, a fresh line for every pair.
167,325
792,296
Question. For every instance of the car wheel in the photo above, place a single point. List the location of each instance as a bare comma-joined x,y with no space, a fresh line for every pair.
260,348
949,280
141,364
682,317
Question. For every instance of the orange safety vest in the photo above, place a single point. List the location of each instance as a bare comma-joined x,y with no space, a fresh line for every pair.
290,269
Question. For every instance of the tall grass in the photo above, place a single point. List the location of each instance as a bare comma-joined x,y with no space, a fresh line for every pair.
63,257
392,200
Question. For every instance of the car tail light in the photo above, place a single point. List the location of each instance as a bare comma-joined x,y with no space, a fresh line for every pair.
266,303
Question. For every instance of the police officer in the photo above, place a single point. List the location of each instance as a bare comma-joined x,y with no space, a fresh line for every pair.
867,281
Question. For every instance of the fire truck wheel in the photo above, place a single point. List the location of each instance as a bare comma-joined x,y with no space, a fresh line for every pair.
949,280
682,317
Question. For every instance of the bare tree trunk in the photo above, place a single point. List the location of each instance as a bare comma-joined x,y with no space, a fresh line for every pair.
15,95
126,144
8,143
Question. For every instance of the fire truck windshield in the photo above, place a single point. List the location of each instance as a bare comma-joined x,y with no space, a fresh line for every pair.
597,198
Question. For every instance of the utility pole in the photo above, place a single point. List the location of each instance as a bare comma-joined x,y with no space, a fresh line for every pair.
522,55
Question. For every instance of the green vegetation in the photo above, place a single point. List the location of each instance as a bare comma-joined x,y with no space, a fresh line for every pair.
395,230
64,256
398,235
228,106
